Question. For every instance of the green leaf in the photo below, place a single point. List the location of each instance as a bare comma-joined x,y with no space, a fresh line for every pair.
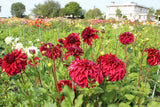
153,104
79,100
97,90
87,53
124,104
112,105
49,104
68,93
66,103
129,97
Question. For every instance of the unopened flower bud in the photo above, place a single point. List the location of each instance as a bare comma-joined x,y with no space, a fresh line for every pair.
146,39
32,51
102,31
47,46
102,53
43,52
49,64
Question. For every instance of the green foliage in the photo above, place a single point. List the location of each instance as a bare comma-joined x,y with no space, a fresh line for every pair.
118,13
73,8
49,9
18,9
150,13
93,13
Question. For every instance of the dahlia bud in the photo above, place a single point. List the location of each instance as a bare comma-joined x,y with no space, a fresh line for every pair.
32,51
49,64
43,52
146,39
32,55
102,31
102,53
47,46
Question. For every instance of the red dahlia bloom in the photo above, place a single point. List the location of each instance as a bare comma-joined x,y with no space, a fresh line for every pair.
61,41
88,34
14,62
50,51
80,71
62,83
72,40
111,66
0,62
153,58
36,60
46,50
126,38
73,50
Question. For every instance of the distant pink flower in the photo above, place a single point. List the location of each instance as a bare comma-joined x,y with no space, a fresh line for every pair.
114,26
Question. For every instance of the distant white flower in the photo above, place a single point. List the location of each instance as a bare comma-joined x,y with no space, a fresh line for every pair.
16,40
19,46
8,39
101,27
37,40
32,50
131,27
114,26
120,24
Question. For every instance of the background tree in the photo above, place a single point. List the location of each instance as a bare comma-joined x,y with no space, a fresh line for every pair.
18,9
62,12
73,8
93,13
49,9
150,13
118,13
157,13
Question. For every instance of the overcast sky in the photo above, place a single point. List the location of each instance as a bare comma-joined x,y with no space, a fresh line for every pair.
85,4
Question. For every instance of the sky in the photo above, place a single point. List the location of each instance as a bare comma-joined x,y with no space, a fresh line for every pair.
85,4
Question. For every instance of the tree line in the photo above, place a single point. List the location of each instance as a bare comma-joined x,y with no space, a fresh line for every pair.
52,8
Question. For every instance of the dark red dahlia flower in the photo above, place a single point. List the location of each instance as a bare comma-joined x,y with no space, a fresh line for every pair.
75,51
46,50
0,62
62,83
50,51
81,71
126,38
36,60
153,58
14,62
56,52
111,66
61,41
88,34
72,40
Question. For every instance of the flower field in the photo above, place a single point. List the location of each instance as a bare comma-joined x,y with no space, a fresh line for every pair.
62,62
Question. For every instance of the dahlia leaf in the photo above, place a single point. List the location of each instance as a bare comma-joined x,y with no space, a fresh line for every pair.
68,93
129,97
79,100
97,90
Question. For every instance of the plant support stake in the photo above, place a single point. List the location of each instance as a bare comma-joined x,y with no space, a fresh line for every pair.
155,83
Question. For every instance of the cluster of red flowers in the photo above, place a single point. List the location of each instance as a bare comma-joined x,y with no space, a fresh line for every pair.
112,66
72,43
153,58
81,71
126,38
38,22
62,83
50,51
14,62
75,51
88,34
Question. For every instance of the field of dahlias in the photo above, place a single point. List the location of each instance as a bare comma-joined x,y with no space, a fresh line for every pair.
62,62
